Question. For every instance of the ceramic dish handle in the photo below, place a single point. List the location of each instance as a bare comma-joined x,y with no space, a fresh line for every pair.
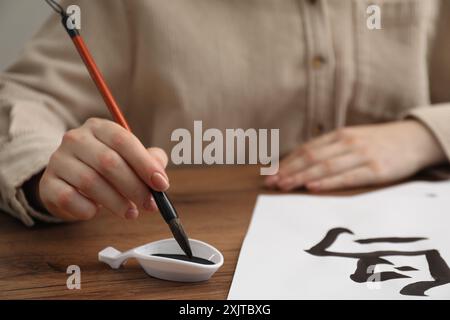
113,257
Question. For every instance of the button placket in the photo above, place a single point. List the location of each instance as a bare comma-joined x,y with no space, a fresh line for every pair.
320,66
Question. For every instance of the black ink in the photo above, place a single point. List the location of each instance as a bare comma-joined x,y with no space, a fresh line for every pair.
183,257
406,268
362,268
392,239
437,266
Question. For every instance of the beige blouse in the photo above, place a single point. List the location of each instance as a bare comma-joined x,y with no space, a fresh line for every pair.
304,67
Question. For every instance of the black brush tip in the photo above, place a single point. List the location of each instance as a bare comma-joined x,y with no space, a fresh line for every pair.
180,236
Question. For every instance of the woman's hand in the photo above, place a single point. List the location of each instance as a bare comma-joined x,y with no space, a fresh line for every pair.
100,164
359,156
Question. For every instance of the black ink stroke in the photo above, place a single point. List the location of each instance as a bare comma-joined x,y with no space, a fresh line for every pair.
390,239
406,268
438,268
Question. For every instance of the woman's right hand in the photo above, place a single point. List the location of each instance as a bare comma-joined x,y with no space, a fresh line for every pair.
100,164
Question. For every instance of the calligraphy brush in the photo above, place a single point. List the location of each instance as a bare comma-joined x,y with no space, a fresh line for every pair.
165,207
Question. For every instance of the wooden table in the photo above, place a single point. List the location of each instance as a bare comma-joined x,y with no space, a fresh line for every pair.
215,204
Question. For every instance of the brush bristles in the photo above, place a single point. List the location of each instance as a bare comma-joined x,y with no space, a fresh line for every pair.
180,236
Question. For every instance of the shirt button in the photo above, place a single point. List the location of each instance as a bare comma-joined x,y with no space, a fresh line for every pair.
319,129
318,62
312,2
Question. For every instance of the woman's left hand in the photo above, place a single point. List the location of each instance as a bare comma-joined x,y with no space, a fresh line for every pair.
359,156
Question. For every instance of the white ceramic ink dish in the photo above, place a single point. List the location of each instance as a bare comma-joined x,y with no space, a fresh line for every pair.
167,268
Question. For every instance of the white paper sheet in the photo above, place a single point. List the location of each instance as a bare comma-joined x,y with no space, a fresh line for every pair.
273,263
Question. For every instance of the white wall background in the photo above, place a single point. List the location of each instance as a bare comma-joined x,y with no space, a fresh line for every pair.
19,20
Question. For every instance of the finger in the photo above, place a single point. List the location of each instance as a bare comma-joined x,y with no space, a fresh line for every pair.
59,213
160,155
134,153
359,177
92,185
292,160
271,181
323,140
328,167
65,201
153,205
310,157
113,168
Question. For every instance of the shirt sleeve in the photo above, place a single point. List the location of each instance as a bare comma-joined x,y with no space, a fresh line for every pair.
437,119
48,91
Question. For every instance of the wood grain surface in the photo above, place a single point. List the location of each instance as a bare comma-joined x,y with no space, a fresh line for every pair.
215,205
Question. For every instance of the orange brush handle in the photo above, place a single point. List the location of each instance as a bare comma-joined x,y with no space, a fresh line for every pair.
100,82
166,208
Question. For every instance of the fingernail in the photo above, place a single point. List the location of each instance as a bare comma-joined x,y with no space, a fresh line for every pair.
154,206
147,203
159,181
287,184
285,181
313,186
131,214
150,204
271,180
